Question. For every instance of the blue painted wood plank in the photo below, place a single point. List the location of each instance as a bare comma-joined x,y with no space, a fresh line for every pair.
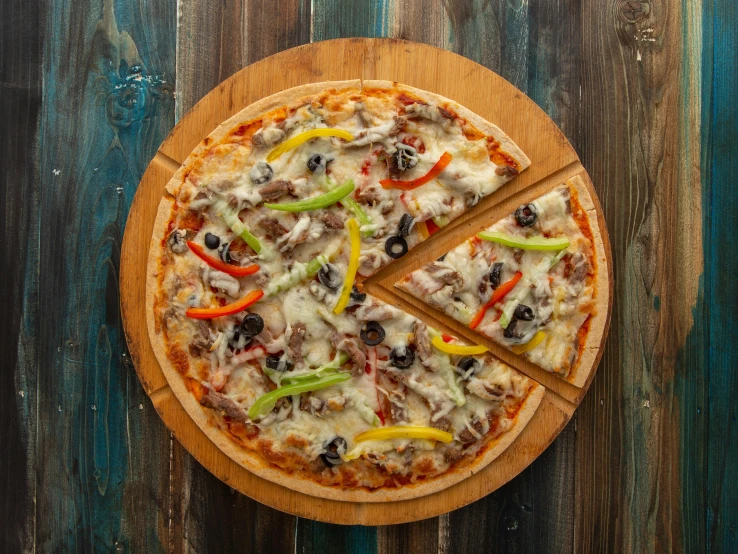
100,469
314,537
720,213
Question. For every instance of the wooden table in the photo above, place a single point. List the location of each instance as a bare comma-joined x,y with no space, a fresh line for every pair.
645,91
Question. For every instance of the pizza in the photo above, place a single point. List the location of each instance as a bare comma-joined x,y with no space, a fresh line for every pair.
529,282
255,302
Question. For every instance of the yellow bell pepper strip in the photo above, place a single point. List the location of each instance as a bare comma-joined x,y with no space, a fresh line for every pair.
353,266
215,263
532,243
499,294
229,309
332,367
537,339
297,140
404,432
265,403
415,183
423,229
317,202
443,346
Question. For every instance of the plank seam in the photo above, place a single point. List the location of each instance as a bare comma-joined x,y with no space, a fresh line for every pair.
160,395
164,161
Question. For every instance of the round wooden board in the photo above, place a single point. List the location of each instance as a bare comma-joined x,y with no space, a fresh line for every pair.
482,91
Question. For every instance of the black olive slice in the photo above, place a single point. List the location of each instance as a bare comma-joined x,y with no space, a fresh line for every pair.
252,325
523,312
357,295
212,241
510,330
333,450
402,357
494,274
261,173
526,215
330,276
277,364
372,333
465,364
317,163
405,225
396,247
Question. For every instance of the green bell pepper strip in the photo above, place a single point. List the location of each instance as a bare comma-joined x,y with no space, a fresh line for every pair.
230,216
332,367
557,258
266,402
353,206
317,202
532,243
300,271
296,274
361,216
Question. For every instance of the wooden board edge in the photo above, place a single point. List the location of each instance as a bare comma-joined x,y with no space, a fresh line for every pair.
363,512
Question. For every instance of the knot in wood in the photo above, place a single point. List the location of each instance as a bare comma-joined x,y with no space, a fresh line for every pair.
632,11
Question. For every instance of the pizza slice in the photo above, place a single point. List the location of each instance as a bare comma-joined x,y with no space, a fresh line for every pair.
402,161
529,282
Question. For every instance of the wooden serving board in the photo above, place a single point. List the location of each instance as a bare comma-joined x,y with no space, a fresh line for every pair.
482,91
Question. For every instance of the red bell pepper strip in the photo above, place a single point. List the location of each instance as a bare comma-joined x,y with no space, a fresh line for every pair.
229,309
236,271
432,226
415,183
499,294
446,338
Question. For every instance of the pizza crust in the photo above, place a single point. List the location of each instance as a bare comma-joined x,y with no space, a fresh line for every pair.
210,421
586,364
480,123
287,97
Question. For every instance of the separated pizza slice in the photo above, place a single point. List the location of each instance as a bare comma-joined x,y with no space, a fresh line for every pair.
530,282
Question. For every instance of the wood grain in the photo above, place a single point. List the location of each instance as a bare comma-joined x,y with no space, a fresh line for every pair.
634,83
20,96
96,479
579,62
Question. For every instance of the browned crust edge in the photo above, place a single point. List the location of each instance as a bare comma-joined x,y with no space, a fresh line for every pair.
506,143
587,361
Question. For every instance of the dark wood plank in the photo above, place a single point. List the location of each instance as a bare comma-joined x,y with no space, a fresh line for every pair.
641,434
210,516
420,536
20,96
531,45
99,458
216,39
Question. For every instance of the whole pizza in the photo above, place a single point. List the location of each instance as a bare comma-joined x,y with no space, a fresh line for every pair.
258,316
